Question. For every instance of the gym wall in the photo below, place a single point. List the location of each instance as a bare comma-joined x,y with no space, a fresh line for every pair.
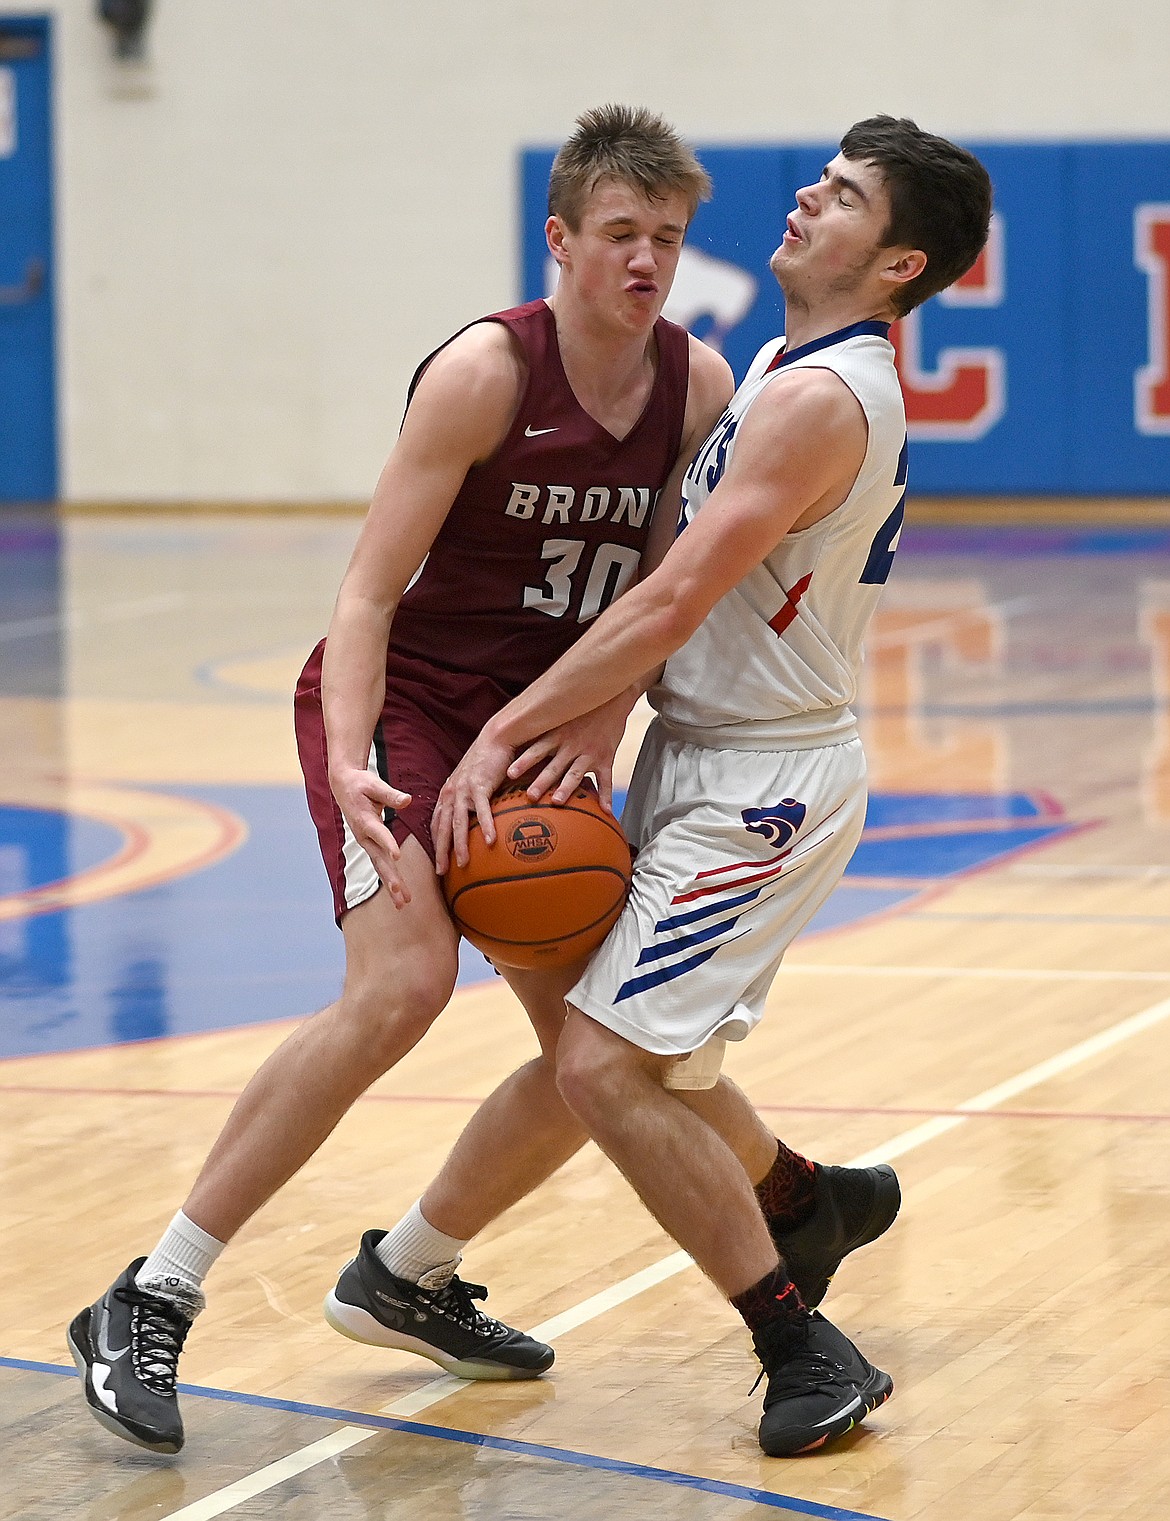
265,223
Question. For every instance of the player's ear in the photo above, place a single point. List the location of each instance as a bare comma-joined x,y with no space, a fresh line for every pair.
903,265
554,236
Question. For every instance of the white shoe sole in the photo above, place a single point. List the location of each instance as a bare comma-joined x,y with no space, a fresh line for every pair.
359,1325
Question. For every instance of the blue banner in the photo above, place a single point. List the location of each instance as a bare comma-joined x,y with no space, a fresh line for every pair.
1045,370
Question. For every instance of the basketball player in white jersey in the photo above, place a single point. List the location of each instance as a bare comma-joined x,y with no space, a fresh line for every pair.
749,794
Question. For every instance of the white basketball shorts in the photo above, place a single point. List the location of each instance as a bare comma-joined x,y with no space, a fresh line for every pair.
737,849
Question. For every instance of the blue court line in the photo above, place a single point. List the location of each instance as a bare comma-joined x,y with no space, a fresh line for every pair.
207,674
1012,541
502,1444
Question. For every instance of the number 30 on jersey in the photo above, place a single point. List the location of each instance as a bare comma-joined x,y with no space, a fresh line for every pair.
611,571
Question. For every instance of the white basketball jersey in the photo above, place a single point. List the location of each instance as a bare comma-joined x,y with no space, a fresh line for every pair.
775,663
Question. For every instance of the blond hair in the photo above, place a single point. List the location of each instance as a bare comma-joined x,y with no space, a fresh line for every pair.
629,144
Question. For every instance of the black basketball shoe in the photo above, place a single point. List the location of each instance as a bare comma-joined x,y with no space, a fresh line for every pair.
853,1206
819,1385
126,1347
435,1318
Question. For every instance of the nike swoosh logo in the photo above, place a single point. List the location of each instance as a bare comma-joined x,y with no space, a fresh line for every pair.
844,1410
531,432
109,1354
399,1311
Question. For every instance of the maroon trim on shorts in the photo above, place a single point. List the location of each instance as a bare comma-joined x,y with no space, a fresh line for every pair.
309,724
414,751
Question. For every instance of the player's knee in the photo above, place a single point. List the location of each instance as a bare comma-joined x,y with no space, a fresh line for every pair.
384,1036
394,1015
591,1067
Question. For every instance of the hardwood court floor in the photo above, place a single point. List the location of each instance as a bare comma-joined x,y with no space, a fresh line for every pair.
987,1004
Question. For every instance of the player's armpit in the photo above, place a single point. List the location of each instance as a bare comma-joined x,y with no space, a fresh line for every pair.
797,454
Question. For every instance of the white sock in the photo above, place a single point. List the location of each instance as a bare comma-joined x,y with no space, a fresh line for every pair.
413,1246
181,1260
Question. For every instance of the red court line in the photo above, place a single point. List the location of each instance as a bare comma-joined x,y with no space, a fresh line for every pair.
855,1110
55,897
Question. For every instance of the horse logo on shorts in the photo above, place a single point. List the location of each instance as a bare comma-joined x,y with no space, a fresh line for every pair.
778,822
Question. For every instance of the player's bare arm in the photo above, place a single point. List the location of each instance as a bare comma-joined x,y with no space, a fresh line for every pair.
459,415
796,458
586,745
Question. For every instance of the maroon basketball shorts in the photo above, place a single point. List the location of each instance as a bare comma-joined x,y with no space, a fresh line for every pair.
428,720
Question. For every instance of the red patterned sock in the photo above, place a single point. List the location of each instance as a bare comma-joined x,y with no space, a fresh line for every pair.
786,1194
774,1298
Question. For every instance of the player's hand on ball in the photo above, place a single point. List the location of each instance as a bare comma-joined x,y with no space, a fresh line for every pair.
583,746
467,794
552,886
363,798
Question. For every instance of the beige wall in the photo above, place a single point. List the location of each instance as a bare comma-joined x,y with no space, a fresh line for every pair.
263,227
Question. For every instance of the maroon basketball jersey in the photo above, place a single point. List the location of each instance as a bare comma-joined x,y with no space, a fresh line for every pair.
543,536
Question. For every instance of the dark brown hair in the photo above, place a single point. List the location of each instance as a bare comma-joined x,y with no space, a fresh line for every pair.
940,199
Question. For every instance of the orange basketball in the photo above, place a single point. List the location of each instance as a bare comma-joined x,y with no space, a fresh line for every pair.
551,887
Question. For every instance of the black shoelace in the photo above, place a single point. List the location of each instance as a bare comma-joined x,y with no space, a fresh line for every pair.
791,1364
804,1371
455,1301
158,1330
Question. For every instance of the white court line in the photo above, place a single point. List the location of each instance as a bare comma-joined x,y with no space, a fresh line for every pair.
919,633
440,1389
1032,1077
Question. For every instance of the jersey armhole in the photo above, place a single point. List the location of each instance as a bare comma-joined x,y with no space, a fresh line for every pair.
518,349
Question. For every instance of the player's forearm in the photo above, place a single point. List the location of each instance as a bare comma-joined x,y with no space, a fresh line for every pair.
623,652
353,681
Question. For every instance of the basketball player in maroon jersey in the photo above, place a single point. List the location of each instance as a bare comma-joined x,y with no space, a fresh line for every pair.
517,503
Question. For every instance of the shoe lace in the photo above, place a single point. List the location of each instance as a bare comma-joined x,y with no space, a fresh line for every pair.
456,1301
804,1371
791,1364
158,1329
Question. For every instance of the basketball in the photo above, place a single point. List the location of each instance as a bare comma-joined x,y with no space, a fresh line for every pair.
551,887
